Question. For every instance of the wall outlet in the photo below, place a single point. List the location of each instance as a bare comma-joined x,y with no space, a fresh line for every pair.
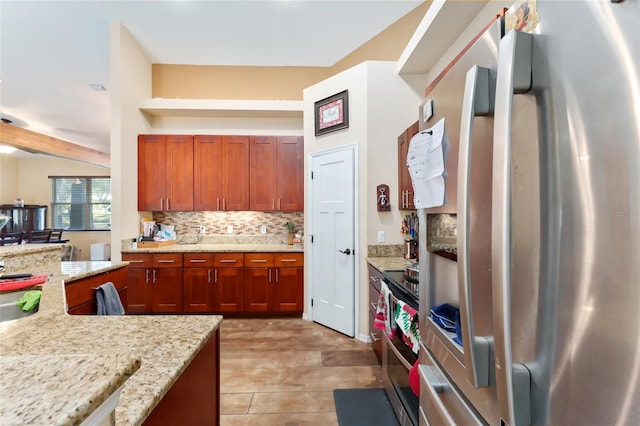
263,229
203,229
381,236
229,229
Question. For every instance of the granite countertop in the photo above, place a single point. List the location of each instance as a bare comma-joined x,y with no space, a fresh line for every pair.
57,368
220,248
389,263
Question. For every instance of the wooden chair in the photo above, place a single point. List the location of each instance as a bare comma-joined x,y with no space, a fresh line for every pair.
10,238
56,234
38,237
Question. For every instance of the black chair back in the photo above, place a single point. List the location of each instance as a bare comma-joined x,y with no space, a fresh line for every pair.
38,237
10,238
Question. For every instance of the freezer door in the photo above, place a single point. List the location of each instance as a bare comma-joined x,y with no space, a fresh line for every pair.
572,217
440,403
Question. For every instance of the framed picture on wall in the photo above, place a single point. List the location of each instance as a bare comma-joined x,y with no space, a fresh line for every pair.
332,113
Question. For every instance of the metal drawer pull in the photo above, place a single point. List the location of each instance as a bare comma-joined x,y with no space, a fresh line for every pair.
197,261
374,338
165,261
208,275
287,260
373,305
136,261
434,387
259,260
228,261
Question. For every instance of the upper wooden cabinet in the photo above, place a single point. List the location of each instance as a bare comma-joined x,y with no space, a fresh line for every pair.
276,173
213,172
405,189
221,172
165,172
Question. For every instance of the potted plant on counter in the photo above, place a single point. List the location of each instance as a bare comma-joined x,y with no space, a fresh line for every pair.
291,230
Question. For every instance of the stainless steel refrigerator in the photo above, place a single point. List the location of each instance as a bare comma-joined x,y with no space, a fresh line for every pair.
543,179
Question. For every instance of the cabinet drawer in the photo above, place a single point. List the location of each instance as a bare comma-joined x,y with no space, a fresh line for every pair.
228,260
167,260
288,259
374,295
258,260
138,260
375,277
84,290
197,260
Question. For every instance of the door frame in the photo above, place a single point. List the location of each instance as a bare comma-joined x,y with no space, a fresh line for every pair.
356,236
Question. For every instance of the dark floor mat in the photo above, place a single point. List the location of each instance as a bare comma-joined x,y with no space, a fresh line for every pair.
364,407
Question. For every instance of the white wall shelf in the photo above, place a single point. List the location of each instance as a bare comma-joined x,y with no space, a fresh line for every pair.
443,23
159,107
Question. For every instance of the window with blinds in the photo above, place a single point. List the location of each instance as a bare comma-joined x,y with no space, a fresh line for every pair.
81,203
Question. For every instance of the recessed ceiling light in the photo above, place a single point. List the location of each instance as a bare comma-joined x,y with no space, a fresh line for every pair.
97,86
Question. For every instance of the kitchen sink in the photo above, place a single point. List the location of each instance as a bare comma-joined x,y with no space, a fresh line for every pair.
9,310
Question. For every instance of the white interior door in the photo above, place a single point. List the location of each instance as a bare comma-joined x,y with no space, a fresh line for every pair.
333,231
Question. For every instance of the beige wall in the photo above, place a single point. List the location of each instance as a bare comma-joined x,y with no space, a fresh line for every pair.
131,82
282,83
8,179
381,106
31,177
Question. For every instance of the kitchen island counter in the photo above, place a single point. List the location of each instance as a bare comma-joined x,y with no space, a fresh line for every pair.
93,355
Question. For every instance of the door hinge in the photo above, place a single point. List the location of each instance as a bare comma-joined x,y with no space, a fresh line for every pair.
311,175
312,303
311,238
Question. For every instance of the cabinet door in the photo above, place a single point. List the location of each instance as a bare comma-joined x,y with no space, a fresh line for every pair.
288,289
257,289
151,172
139,291
227,290
197,290
235,173
207,183
290,173
167,290
262,173
405,196
179,173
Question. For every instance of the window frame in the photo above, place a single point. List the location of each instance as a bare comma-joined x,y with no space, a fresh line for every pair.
88,215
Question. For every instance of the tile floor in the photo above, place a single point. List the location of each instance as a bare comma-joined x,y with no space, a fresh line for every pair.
284,371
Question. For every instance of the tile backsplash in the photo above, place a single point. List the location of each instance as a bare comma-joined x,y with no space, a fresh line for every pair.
243,222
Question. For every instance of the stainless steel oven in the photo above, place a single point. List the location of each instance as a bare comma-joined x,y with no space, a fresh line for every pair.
397,357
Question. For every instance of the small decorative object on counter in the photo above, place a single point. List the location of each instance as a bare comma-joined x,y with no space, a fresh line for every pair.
19,201
297,238
291,229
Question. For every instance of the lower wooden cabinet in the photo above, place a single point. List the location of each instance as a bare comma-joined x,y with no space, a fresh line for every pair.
375,283
276,286
155,282
81,294
225,283
229,281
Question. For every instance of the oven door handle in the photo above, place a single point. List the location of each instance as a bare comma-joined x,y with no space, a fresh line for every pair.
478,100
397,353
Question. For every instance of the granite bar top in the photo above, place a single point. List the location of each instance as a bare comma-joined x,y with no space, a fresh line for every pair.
89,356
389,263
219,248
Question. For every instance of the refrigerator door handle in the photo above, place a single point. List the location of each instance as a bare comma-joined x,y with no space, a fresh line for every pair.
512,379
478,100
